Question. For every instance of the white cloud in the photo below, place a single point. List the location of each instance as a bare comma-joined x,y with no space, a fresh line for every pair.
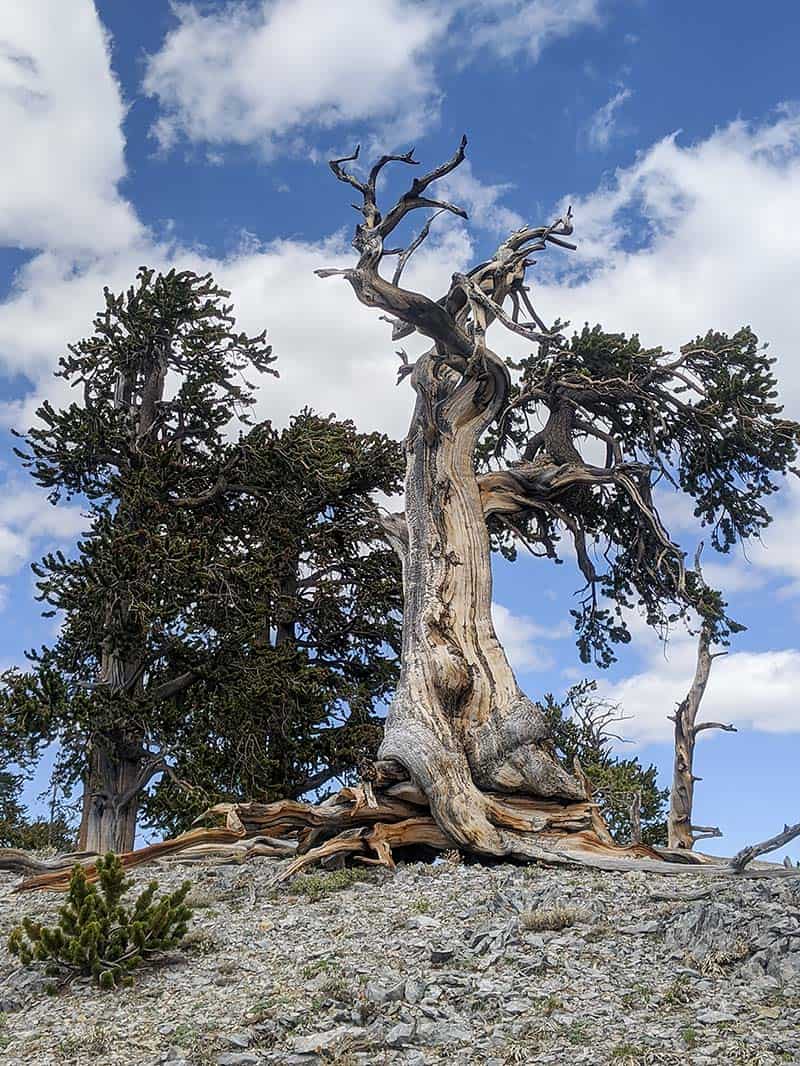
512,27
333,354
60,120
263,73
751,690
716,230
522,638
27,520
603,123
777,555
480,201
269,73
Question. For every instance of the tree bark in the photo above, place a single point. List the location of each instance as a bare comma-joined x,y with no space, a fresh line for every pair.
108,821
459,722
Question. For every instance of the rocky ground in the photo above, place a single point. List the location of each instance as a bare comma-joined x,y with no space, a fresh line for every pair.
449,963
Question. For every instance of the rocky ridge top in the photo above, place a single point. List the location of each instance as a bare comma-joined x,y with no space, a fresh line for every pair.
449,963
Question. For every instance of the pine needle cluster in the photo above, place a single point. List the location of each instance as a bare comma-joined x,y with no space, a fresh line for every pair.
97,936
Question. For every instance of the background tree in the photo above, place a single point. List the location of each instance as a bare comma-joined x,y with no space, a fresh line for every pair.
17,830
314,625
230,615
705,420
632,804
135,632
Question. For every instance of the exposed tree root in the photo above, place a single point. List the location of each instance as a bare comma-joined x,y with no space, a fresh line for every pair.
377,821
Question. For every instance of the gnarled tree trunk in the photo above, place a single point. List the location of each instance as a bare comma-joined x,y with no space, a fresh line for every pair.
459,722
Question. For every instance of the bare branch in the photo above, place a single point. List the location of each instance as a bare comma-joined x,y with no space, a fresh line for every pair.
173,687
343,175
746,855
413,199
406,254
715,725
704,832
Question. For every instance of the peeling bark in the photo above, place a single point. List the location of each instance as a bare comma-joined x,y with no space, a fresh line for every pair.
108,821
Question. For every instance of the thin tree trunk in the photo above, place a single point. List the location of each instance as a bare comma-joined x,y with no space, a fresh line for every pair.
680,831
459,722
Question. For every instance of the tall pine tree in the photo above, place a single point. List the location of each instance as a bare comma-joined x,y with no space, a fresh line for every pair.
178,632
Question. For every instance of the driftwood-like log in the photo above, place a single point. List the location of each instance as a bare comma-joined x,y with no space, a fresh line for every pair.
746,855
375,826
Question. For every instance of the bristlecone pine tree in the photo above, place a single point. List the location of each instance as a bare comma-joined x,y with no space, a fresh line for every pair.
161,376
231,617
97,936
318,604
705,419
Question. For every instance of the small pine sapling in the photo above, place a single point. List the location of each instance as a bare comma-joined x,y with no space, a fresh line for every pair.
97,936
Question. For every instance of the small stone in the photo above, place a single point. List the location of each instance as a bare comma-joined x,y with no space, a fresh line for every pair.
443,1032
414,990
422,921
380,994
238,1058
401,1034
714,1017
641,928
439,955
238,1040
312,1043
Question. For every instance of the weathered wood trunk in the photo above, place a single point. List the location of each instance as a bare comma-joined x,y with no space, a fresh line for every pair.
681,833
459,722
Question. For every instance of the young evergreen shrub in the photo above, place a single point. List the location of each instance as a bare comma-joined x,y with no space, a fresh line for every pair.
96,935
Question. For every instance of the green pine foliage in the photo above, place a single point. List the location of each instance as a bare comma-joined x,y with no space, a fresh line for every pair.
230,618
580,727
704,422
98,936
314,626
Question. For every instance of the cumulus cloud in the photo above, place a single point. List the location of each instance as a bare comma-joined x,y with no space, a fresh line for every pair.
603,125
522,639
27,519
60,121
695,236
266,73
257,73
751,690
333,354
483,202
513,27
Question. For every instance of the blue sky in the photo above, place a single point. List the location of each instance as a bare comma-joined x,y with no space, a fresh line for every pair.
197,134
